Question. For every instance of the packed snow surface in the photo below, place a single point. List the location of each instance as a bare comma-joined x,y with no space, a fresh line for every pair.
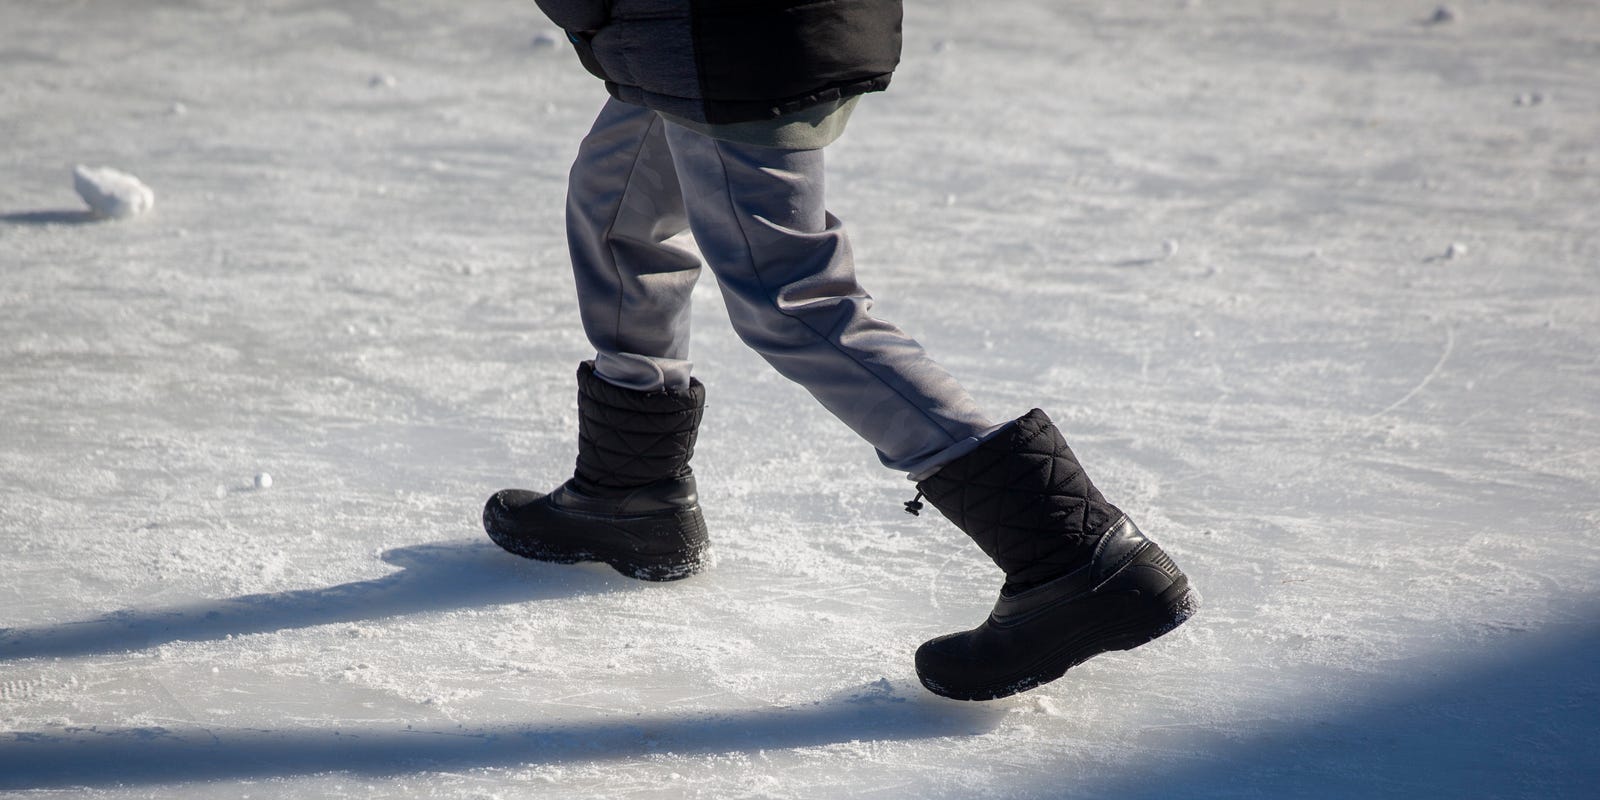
1313,288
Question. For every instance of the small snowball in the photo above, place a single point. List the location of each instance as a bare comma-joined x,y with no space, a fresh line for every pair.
1531,99
382,80
544,40
1169,248
178,109
221,491
263,480
1443,15
1455,250
111,193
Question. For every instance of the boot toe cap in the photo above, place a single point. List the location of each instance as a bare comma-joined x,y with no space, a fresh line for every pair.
955,666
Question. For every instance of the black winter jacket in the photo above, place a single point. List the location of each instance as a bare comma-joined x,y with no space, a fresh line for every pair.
721,61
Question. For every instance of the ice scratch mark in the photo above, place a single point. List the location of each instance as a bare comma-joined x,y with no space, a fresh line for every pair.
827,594
933,583
1449,347
687,700
1563,457
1183,479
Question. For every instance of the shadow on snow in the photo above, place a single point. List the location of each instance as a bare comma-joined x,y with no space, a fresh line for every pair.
1520,721
1521,718
127,756
434,577
52,217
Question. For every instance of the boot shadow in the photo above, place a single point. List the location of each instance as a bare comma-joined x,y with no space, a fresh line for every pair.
432,577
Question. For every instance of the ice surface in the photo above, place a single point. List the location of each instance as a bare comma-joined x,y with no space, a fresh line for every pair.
1379,463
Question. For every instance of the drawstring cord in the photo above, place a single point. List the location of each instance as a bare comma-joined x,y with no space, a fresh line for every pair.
913,507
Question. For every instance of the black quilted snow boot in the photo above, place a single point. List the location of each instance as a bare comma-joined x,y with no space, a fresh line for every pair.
631,502
1080,578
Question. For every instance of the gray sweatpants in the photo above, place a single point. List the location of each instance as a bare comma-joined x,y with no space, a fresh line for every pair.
783,264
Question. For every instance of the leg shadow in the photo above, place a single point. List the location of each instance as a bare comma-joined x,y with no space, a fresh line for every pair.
104,757
433,577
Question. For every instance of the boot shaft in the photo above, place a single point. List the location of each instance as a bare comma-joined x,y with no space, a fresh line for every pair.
628,439
1025,500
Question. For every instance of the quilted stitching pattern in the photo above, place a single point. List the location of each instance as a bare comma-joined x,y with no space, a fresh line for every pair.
1023,497
628,439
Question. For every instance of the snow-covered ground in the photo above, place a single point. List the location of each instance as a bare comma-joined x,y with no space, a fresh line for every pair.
1313,287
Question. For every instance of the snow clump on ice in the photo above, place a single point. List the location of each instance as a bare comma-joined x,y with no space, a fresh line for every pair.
112,193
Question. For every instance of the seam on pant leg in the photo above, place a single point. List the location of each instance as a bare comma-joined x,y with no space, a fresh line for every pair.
727,192
622,200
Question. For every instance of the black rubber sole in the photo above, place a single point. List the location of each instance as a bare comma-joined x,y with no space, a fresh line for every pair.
572,538
1174,608
644,568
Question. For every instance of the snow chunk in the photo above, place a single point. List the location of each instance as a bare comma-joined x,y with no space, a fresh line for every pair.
1454,251
112,193
544,40
1443,15
382,80
263,480
1048,707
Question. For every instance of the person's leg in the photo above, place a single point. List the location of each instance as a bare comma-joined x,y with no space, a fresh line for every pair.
1081,579
786,273
623,204
632,501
